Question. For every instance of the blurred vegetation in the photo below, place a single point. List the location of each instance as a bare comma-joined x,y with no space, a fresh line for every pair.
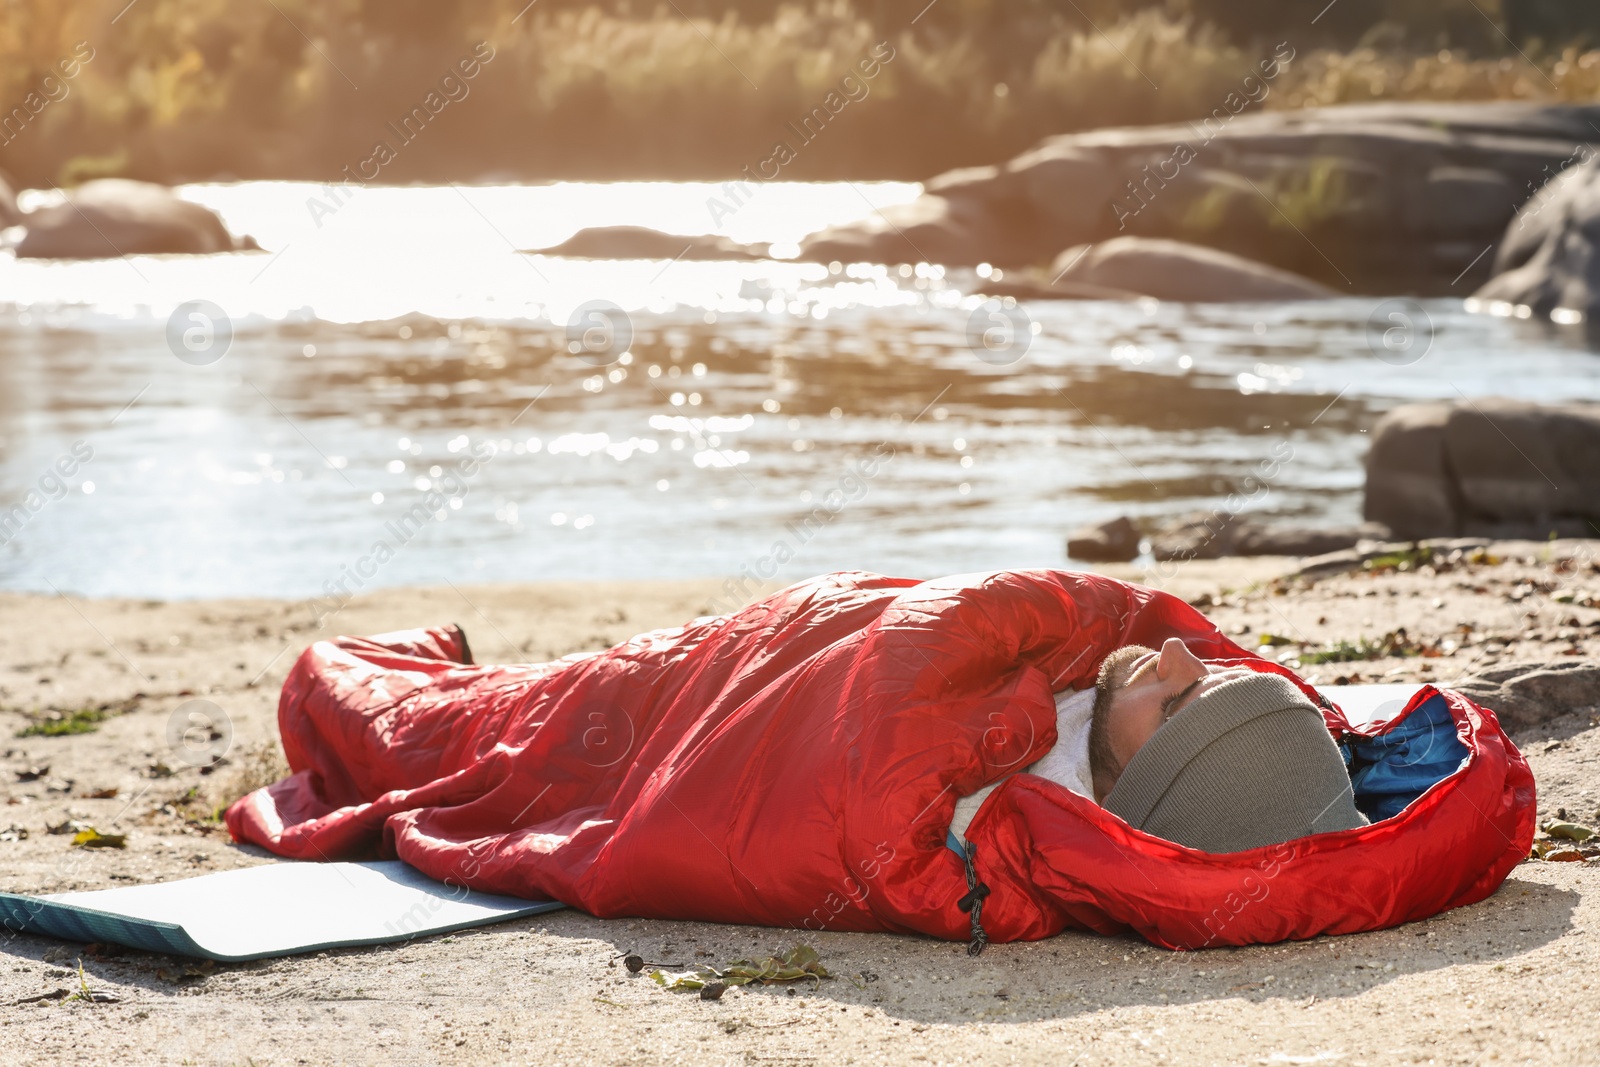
194,89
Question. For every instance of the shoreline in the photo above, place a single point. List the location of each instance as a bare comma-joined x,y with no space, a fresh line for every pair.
68,651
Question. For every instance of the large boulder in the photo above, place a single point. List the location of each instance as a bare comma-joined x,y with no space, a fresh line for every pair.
639,242
1408,487
1490,467
1525,469
1177,271
1386,197
114,217
1549,258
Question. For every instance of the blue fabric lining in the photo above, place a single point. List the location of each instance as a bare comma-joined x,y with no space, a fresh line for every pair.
1391,771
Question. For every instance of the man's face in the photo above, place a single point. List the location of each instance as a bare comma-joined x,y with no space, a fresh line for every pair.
1144,688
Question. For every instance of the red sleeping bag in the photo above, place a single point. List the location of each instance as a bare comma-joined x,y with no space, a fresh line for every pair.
796,764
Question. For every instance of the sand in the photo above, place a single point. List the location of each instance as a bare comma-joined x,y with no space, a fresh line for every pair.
1506,980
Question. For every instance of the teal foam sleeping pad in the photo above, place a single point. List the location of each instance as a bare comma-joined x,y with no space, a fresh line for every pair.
276,909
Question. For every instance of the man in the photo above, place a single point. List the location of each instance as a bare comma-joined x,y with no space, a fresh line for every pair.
1219,759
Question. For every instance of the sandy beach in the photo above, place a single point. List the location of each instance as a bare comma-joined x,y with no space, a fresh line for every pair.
1505,980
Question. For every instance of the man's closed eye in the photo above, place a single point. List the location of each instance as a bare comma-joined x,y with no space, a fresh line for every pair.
1169,706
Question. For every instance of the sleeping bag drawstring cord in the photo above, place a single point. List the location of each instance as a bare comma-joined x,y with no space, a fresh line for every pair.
973,901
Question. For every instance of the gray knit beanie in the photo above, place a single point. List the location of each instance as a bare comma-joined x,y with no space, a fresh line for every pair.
1247,764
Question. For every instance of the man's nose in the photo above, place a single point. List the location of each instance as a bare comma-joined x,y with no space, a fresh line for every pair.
1177,663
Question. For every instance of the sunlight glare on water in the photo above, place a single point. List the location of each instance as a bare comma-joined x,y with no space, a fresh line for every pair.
362,254
399,376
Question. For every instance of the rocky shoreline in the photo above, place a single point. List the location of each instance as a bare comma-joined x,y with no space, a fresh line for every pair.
1372,198
1493,202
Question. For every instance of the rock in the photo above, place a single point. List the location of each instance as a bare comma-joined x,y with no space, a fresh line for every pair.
1470,199
1181,272
1526,466
1387,197
1209,205
1542,216
1116,541
1071,189
10,214
1202,535
1407,486
1262,539
113,217
1346,560
1549,257
1038,203
1341,562
963,181
1214,534
1025,288
1490,468
929,229
1525,695
639,242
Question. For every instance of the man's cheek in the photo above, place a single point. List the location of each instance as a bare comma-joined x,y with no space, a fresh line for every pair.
1130,725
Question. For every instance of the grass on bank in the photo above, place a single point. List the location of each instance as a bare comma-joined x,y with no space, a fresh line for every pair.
64,724
190,89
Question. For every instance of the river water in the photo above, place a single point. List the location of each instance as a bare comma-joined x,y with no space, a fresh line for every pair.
768,417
